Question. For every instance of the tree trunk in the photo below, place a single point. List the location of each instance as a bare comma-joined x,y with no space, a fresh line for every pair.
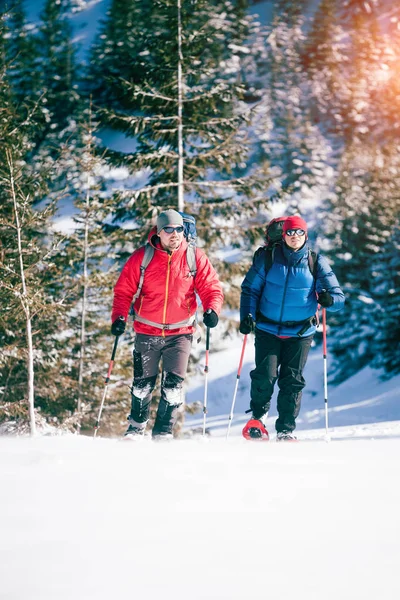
181,201
25,303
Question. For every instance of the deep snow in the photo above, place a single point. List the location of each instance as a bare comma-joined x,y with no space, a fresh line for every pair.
86,518
96,519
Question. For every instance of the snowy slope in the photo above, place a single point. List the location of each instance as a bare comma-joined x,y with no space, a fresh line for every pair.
87,519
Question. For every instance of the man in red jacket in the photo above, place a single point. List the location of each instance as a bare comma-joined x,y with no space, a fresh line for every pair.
165,319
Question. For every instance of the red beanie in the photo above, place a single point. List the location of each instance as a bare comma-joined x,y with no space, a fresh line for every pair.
294,222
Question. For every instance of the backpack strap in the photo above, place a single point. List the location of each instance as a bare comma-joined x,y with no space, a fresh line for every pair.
191,259
147,256
269,257
313,263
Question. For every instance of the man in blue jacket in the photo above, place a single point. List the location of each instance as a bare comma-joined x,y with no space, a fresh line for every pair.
279,304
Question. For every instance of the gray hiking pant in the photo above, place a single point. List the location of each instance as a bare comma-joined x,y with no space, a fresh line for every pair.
174,351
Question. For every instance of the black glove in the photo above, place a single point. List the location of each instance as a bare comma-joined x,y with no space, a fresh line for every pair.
210,318
247,325
325,299
118,327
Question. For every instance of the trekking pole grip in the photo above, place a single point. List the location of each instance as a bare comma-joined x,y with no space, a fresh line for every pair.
207,348
110,366
206,381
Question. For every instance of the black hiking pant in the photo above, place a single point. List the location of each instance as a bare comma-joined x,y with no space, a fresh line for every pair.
283,360
149,350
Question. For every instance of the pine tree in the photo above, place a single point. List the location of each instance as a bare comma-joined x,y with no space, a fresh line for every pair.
325,59
388,338
180,105
346,56
359,222
22,56
88,265
58,72
115,55
27,248
294,146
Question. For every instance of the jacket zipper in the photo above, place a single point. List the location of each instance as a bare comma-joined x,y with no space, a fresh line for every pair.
141,303
283,301
166,292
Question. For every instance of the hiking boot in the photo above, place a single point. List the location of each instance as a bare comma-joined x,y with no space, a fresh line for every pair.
285,436
165,419
135,431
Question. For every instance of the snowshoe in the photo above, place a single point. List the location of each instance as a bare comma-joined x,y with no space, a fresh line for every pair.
163,437
254,430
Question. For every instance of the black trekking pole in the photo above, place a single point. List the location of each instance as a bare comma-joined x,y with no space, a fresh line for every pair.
206,381
236,386
110,367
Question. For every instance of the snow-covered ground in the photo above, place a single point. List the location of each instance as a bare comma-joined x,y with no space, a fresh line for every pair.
86,518
96,519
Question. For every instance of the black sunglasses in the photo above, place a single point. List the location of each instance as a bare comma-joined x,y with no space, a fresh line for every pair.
292,232
170,230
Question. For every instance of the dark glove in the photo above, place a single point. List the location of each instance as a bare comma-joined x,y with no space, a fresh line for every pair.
325,299
247,325
210,318
118,327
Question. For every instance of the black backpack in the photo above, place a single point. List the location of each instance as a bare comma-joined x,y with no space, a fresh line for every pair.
273,238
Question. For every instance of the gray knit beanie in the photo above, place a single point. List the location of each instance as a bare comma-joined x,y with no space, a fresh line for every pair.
169,217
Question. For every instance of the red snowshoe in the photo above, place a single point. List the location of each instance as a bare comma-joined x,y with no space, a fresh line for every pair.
255,431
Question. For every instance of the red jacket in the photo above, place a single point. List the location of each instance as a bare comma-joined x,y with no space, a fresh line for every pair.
169,291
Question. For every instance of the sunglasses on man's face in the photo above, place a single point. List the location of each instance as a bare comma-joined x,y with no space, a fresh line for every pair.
170,230
292,232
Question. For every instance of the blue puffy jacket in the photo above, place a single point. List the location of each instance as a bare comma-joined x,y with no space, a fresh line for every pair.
283,299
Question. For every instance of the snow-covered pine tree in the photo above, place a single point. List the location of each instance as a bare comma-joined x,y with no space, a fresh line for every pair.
388,337
88,265
21,55
363,207
57,68
26,268
359,223
181,107
294,147
325,61
115,54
